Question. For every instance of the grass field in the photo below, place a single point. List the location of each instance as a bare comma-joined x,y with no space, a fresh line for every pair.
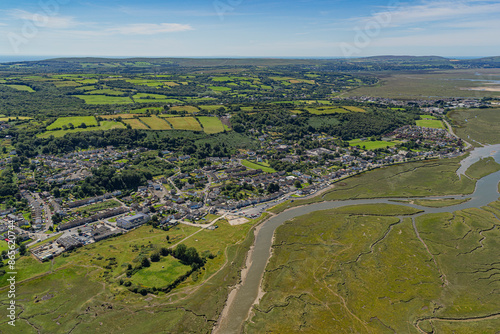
483,168
106,92
256,165
124,116
76,121
105,125
219,89
102,99
13,118
371,145
160,274
188,109
436,203
437,84
333,272
211,124
152,98
156,123
354,109
23,88
415,179
430,123
480,125
135,124
185,123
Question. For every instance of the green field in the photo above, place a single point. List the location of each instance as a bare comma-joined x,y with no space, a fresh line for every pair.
337,272
219,89
256,165
430,123
105,125
155,123
161,273
211,124
185,123
102,99
477,125
13,118
371,145
106,92
124,116
188,109
153,98
76,121
23,88
135,124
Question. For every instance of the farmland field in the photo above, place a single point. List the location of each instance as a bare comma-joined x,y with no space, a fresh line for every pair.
23,88
8,119
156,123
219,89
105,125
76,121
102,99
106,92
152,98
185,123
211,124
119,115
108,125
188,109
135,124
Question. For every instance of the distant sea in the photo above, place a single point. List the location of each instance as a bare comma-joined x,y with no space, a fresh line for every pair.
11,59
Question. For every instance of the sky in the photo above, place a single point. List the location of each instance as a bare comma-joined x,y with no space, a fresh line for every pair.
249,28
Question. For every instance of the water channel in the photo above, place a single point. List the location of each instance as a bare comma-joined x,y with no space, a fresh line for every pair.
242,299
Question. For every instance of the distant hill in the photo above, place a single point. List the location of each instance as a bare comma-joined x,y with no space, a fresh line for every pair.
143,64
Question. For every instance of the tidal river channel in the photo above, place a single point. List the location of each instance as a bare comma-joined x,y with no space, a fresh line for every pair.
245,295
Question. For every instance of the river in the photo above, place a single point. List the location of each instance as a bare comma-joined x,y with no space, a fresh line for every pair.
242,299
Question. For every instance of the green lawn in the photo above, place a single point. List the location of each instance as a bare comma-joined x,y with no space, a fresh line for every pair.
256,165
160,274
371,145
430,123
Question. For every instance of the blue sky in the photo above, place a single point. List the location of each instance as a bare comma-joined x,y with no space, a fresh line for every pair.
249,28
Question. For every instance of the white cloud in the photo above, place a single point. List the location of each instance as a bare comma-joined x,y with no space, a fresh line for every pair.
150,28
434,11
53,22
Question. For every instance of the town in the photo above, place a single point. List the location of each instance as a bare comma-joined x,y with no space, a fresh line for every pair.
239,187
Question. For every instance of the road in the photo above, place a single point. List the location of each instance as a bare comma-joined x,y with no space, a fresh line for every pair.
450,130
